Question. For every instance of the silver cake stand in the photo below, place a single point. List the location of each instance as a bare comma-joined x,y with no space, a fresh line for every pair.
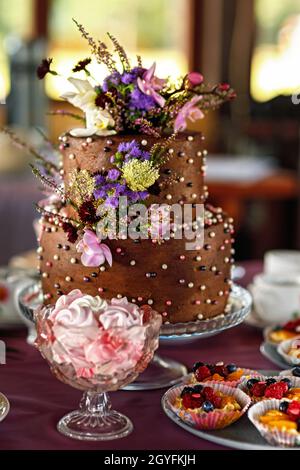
162,372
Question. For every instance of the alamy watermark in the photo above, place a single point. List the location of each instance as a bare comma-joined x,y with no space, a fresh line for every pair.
157,222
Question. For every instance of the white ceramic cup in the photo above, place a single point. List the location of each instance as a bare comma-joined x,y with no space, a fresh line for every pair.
276,298
282,262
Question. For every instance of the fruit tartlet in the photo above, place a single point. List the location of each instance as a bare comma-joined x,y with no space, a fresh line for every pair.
265,388
230,374
278,421
208,407
279,333
290,351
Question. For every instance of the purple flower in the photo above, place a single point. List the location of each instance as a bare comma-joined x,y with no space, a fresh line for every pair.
113,79
189,111
113,174
112,201
141,101
99,193
150,85
130,77
99,179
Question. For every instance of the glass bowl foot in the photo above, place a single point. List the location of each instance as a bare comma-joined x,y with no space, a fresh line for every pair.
161,372
95,421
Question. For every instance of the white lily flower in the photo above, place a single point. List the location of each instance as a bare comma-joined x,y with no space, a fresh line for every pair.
97,119
85,95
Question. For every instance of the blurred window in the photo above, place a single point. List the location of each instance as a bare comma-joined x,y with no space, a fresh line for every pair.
16,24
276,60
155,29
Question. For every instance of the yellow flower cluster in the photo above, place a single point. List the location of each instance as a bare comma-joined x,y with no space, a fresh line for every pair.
81,186
140,175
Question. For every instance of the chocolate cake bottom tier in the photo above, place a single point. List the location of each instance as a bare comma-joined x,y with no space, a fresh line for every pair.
182,285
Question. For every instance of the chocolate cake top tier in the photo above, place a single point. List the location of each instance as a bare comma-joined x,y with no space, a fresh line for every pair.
181,176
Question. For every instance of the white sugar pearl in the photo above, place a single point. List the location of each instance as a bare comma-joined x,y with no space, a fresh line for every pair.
144,142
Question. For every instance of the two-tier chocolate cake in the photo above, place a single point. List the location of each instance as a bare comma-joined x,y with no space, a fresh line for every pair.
134,142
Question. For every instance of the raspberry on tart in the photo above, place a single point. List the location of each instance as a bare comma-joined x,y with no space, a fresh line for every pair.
262,389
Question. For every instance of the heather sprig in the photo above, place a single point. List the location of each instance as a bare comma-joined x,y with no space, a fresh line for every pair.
99,49
63,113
18,142
54,187
121,52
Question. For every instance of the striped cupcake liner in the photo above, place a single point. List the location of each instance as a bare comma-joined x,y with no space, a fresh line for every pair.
273,436
217,419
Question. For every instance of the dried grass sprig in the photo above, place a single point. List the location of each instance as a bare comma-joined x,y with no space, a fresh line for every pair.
49,166
54,215
139,61
158,150
121,52
63,113
98,49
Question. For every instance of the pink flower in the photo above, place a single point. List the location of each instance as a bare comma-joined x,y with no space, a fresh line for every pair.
121,314
195,78
94,253
189,112
149,84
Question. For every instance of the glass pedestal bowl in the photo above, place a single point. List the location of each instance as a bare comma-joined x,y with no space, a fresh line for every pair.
124,352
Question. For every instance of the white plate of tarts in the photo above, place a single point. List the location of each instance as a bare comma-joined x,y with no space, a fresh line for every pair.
259,411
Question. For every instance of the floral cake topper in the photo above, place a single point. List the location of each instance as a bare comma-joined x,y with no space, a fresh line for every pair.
132,98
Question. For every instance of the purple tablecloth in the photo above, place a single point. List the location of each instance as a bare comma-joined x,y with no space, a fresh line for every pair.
38,400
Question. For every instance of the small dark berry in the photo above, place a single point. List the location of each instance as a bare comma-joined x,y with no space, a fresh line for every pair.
283,406
231,368
207,406
251,382
187,390
296,372
197,388
197,365
270,381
